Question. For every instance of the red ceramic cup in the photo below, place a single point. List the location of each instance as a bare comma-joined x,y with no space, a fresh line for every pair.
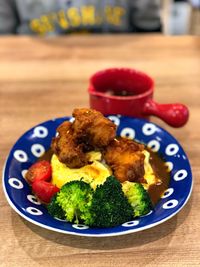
130,92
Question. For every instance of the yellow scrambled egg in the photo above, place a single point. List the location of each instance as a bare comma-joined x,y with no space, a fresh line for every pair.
149,175
95,173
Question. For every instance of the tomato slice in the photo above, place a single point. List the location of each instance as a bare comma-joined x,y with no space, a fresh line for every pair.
40,170
44,190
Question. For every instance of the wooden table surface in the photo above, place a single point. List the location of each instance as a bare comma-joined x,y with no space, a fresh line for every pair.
46,78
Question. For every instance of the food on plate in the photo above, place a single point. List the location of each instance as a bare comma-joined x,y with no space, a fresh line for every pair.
137,197
67,149
44,190
106,206
39,171
109,205
90,130
92,176
39,176
150,176
94,173
55,209
126,159
75,200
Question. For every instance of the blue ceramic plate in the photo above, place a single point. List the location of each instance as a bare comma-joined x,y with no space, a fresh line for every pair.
35,141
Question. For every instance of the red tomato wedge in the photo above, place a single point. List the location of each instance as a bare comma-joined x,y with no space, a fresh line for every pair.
44,190
40,170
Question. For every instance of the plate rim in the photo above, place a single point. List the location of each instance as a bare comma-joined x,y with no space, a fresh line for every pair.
125,232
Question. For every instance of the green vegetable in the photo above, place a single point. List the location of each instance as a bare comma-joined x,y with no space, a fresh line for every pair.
138,198
75,199
55,209
109,205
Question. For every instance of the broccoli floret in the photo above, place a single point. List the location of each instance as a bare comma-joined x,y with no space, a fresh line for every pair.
75,200
137,197
109,205
55,209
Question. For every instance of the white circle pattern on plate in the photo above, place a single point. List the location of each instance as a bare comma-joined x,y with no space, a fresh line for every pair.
33,199
23,173
170,204
151,211
171,149
80,226
180,175
58,219
154,145
40,132
149,129
168,192
20,156
34,211
131,223
15,183
37,150
72,119
128,133
169,166
114,119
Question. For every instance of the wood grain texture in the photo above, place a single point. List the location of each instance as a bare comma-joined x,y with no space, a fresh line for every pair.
46,78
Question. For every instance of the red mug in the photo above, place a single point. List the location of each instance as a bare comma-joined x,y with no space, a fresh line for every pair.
130,92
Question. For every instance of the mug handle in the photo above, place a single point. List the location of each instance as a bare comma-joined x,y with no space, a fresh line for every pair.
176,115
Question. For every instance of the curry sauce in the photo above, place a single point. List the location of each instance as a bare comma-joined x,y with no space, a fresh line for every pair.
158,165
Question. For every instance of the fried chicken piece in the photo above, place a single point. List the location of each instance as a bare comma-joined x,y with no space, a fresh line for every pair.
126,159
66,148
89,131
92,128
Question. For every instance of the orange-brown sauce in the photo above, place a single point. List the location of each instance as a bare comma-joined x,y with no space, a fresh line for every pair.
158,165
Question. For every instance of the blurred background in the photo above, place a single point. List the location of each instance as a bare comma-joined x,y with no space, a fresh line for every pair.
181,17
56,17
